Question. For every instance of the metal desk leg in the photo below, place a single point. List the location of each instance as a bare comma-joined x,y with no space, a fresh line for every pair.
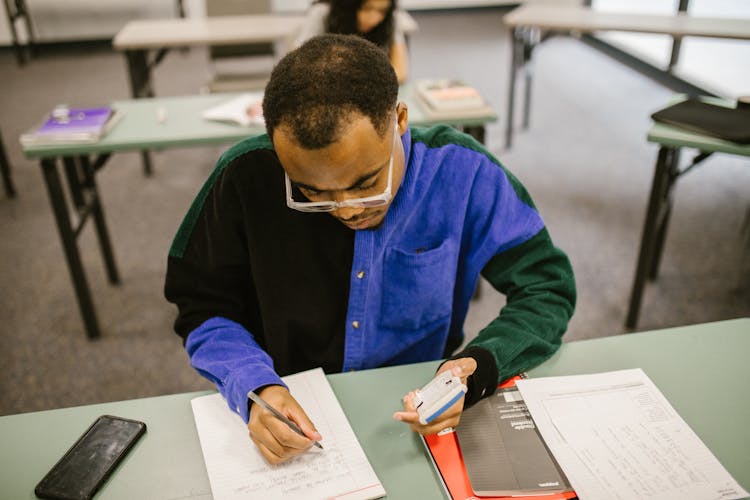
528,46
72,175
526,97
654,227
85,197
476,131
10,190
140,86
664,215
21,6
147,169
68,237
674,57
101,225
515,56
139,73
18,9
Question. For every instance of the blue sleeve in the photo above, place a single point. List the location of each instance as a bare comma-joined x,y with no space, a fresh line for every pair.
225,353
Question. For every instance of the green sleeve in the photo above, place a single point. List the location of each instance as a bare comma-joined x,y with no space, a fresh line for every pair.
537,280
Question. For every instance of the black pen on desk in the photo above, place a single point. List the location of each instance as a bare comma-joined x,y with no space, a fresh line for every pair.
258,400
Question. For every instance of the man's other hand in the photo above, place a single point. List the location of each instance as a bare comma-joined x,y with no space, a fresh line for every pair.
462,367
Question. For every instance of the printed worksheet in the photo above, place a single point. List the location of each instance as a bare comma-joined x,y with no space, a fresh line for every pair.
237,470
616,436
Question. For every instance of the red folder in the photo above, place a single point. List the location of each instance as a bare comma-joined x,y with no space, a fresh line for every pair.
446,455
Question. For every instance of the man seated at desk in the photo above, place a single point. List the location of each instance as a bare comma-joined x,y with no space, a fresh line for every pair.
346,240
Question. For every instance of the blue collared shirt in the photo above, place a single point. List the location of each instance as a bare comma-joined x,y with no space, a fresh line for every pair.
411,278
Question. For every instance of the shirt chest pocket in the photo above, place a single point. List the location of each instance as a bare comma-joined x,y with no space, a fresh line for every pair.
418,286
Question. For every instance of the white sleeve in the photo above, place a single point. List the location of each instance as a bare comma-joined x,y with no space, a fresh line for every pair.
399,23
314,23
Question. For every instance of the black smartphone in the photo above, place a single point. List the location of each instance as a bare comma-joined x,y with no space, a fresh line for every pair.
89,462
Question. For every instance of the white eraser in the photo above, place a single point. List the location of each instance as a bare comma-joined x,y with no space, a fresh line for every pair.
438,395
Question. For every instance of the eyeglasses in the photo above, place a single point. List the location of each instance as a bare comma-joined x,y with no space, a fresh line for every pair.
329,206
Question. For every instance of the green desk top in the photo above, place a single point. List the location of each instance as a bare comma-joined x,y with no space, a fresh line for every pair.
140,129
701,369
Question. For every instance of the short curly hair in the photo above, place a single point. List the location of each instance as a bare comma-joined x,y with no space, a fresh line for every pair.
316,87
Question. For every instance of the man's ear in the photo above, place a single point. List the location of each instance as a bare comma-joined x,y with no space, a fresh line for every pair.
402,113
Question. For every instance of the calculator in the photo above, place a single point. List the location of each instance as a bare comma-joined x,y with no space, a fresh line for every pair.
438,395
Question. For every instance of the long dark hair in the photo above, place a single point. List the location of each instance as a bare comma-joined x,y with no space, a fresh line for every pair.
343,19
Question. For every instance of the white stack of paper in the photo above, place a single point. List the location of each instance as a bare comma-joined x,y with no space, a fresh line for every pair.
245,109
237,470
617,437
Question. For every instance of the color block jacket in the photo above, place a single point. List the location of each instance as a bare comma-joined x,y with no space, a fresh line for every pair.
264,291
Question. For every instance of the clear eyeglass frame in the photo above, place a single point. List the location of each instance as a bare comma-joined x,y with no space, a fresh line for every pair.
377,200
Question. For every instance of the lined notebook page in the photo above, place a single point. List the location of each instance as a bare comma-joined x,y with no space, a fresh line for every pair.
237,470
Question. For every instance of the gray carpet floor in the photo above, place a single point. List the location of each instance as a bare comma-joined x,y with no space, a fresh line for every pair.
585,160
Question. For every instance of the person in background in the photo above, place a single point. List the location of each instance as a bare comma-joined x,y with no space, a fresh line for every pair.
374,20
347,240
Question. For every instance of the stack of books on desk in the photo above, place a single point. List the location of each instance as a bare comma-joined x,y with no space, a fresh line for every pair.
497,453
450,98
66,125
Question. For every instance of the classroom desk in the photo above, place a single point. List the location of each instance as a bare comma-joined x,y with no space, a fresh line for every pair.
671,141
139,37
139,130
17,9
701,369
528,21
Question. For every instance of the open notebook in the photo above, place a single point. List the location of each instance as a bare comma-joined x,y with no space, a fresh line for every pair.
237,470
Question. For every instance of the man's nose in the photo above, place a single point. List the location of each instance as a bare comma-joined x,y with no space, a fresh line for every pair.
346,213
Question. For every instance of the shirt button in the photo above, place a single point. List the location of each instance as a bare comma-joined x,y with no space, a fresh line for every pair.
361,274
355,324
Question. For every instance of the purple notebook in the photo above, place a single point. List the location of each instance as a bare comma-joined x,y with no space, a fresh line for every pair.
78,120
72,125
